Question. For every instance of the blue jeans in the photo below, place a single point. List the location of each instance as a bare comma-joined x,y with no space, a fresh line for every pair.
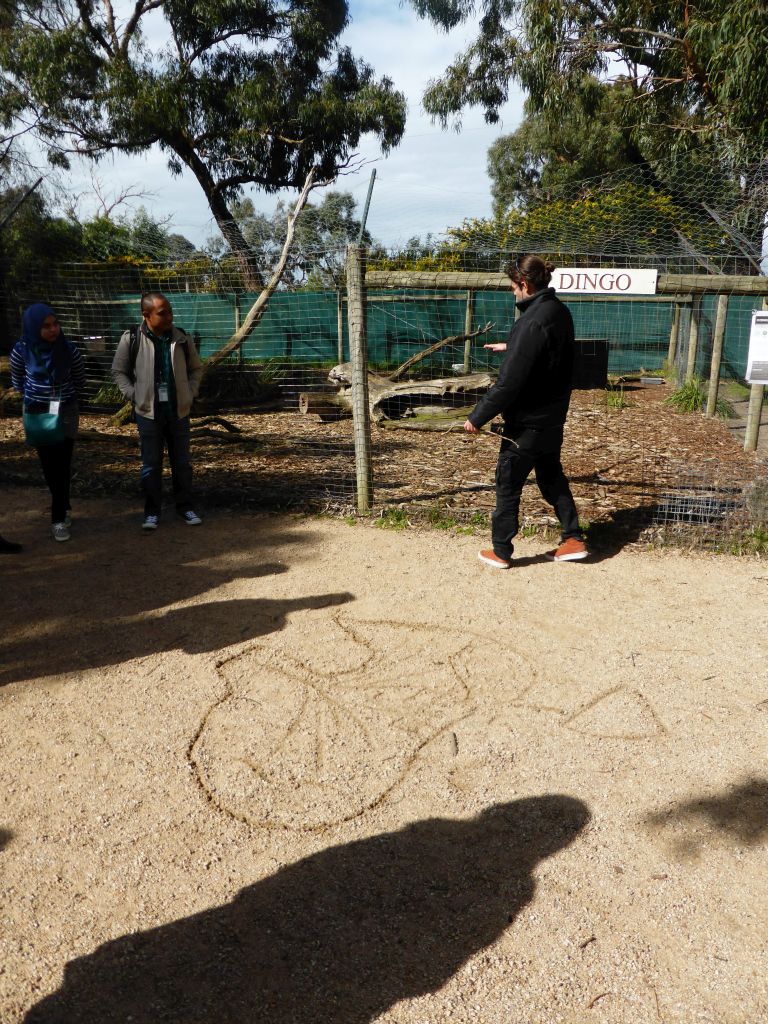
537,450
165,431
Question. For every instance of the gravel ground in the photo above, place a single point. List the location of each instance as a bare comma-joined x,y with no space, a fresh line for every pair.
289,770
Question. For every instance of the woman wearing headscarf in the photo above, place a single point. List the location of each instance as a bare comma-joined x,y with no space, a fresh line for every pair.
49,372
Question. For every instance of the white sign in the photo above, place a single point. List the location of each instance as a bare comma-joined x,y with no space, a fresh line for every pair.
604,281
757,359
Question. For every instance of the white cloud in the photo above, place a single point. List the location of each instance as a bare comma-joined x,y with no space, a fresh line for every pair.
432,181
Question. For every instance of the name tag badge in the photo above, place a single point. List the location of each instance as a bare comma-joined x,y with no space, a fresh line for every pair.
162,392
53,406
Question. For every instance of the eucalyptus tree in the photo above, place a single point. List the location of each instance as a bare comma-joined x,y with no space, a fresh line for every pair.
696,70
240,92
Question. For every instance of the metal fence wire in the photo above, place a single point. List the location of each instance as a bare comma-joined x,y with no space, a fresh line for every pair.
293,443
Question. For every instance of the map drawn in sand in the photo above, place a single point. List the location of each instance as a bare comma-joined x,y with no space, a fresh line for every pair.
316,728
620,713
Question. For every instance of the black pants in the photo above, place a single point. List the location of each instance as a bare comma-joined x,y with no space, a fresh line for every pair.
537,450
56,461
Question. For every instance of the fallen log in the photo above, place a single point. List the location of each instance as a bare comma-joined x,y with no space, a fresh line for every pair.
327,406
440,424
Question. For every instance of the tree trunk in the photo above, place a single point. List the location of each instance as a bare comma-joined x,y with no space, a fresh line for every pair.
256,311
253,279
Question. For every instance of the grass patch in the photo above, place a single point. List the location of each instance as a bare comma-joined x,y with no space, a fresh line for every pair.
753,542
615,398
392,519
692,397
439,519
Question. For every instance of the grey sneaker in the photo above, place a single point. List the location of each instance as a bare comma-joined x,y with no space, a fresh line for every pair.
150,522
68,519
60,531
190,518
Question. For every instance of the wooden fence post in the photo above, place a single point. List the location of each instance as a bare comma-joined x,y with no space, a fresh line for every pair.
469,316
358,353
339,326
693,339
673,335
240,356
754,411
717,353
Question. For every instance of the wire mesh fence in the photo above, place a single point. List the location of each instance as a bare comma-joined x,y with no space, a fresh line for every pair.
289,441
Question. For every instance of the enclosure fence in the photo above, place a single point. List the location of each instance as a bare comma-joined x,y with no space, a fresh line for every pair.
694,327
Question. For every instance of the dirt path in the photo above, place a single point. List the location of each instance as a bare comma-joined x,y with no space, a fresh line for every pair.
290,770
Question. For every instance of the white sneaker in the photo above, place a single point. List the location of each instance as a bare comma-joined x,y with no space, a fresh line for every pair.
68,520
60,531
150,522
190,518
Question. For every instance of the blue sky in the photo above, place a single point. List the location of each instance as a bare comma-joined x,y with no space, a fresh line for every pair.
433,180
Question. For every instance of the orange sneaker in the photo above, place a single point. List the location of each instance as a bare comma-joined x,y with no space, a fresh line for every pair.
570,550
491,558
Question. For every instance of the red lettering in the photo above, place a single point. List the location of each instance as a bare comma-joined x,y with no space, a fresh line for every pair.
625,278
606,282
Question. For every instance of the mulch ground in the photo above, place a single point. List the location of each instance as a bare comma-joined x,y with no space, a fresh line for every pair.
619,462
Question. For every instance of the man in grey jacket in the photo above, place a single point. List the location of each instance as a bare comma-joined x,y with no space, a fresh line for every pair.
160,374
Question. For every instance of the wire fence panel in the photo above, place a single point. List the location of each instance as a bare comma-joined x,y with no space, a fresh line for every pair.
287,437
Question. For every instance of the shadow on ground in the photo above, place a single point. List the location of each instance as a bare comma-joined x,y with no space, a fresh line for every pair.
112,593
338,937
740,815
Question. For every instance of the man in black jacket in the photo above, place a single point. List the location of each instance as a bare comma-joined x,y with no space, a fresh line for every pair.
532,394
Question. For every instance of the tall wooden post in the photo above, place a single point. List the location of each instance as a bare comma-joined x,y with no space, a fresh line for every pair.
240,354
754,411
468,318
673,336
717,353
339,326
358,353
693,338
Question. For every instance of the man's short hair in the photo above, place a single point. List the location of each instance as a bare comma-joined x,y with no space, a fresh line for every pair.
148,300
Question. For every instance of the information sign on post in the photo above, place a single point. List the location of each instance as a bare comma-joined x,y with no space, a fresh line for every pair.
757,359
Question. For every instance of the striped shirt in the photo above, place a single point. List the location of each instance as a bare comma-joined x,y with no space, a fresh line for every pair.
37,387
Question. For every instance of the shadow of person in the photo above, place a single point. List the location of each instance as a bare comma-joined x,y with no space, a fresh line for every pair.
194,629
5,838
607,537
741,814
336,938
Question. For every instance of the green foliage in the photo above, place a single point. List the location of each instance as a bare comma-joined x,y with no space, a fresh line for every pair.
585,139
426,255
616,399
439,519
318,257
240,93
692,397
751,542
392,519
694,71
602,220
109,395
626,218
33,242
